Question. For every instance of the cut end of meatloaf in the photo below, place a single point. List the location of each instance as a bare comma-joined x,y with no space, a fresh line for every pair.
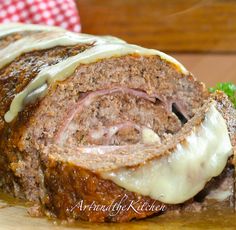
115,99
169,173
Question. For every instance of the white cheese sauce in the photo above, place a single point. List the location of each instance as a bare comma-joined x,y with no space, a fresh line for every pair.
104,47
178,177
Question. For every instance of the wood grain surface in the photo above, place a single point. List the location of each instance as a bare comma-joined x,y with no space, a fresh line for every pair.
14,216
172,26
210,68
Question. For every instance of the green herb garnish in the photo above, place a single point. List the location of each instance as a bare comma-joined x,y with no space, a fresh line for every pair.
228,88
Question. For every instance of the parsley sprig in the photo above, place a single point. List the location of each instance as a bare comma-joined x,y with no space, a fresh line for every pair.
228,88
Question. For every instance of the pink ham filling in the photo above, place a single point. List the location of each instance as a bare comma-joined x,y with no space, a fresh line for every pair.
105,133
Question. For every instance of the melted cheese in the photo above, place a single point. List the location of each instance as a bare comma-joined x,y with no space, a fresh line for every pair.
219,195
38,41
46,40
6,29
149,136
178,177
105,47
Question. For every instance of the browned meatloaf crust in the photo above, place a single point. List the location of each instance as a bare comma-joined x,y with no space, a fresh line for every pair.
130,92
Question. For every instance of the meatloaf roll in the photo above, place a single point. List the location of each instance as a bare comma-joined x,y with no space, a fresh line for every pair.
96,129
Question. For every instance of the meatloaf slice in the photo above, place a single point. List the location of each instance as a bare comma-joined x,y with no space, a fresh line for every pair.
82,118
77,187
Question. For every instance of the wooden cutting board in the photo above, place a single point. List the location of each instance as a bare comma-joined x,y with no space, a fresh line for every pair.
14,216
171,26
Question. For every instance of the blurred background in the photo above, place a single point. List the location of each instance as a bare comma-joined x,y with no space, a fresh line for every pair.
199,33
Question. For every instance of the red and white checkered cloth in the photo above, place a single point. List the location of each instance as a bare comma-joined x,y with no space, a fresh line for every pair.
61,13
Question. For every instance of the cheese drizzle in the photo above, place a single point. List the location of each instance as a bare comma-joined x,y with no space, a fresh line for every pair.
49,37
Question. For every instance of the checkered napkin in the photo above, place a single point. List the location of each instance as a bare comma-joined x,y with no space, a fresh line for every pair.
61,13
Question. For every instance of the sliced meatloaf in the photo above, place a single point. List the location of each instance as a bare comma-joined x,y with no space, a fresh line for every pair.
96,129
